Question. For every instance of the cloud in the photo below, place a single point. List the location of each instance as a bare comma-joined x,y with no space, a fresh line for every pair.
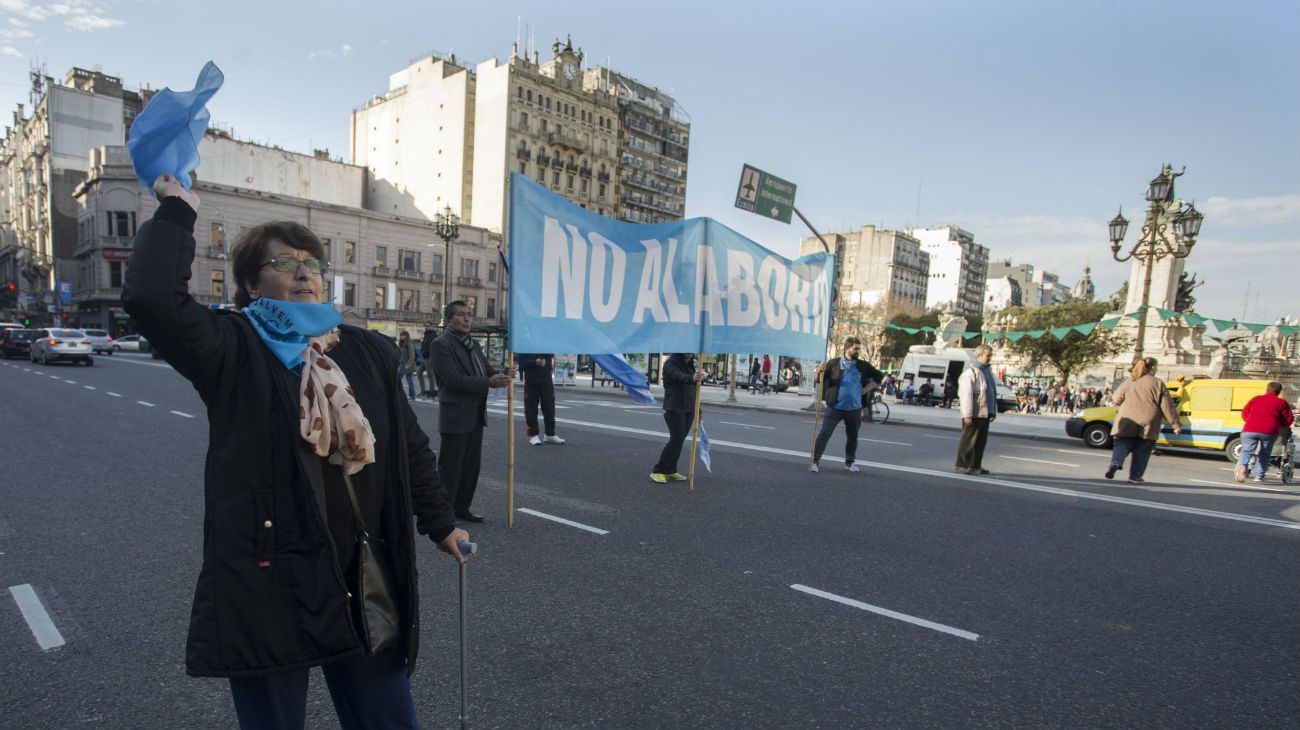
81,15
16,35
11,51
1259,210
347,49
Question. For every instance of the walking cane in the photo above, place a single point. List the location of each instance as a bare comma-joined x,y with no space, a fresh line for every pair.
466,549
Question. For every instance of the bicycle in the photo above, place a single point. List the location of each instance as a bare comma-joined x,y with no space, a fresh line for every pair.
878,409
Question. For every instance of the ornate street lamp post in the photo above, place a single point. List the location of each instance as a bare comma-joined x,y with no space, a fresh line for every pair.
447,227
1154,243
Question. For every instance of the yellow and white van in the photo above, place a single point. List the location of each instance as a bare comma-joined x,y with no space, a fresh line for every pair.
1209,411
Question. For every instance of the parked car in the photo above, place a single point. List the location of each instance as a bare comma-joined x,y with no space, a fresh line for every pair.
1209,411
16,343
128,343
55,343
100,342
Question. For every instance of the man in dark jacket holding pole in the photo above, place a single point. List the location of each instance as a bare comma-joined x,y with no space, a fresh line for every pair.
465,377
845,380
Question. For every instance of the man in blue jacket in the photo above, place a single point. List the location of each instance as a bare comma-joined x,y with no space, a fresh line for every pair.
846,379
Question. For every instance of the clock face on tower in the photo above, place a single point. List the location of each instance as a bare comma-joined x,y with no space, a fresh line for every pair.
570,70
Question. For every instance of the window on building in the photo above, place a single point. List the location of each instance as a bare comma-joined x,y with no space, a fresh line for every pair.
349,294
529,96
471,303
469,268
381,256
492,272
380,291
601,190
115,274
523,119
121,223
583,185
327,291
436,260
410,260
523,168
519,91
555,178
542,126
408,300
569,186
217,235
219,283
435,303
491,312
350,252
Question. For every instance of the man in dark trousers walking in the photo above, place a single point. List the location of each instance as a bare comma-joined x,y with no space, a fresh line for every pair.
846,379
539,388
426,349
464,376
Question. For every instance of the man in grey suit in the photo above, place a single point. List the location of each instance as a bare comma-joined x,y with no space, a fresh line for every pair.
464,377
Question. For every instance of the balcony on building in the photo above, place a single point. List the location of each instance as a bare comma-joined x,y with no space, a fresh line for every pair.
381,271
415,274
469,281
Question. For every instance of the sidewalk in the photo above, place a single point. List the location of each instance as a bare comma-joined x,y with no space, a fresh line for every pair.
1038,427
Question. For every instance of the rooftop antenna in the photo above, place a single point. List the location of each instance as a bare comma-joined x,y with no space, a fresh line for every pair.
519,19
916,221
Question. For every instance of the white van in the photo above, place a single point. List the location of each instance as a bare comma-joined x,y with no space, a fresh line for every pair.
922,363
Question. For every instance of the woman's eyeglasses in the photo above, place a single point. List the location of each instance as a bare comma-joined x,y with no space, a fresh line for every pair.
289,264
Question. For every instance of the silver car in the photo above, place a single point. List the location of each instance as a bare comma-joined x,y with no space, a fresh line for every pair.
100,342
128,343
53,344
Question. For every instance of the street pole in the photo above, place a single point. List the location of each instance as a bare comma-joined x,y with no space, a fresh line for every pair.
1153,244
731,395
815,406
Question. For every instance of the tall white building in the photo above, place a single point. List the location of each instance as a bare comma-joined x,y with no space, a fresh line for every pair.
958,269
876,264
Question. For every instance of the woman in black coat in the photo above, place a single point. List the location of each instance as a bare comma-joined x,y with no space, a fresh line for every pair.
300,412
680,382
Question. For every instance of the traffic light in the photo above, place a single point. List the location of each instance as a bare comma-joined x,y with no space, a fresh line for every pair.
27,321
65,316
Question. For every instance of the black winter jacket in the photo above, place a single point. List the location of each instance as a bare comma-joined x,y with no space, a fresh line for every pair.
679,384
271,595
832,372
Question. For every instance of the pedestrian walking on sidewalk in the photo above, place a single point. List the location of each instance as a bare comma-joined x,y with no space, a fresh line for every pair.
1267,416
539,390
845,380
426,350
303,411
978,398
1143,400
681,380
407,362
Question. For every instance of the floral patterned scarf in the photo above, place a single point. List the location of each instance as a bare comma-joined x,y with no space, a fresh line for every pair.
329,418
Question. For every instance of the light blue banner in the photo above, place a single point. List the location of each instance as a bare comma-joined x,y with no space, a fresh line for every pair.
581,282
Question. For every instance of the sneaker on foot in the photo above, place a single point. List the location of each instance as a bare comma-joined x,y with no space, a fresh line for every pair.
677,476
1240,474
535,440
813,468
979,470
852,467
1110,471
1259,479
1136,480
552,440
658,478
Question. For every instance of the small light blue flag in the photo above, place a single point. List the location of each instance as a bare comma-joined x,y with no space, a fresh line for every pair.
165,136
704,449
633,380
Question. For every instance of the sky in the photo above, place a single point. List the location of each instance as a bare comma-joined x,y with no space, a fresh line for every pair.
1027,123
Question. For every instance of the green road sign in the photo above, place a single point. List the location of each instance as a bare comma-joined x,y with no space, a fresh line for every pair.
765,194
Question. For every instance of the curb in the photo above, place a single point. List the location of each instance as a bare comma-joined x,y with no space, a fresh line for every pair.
619,394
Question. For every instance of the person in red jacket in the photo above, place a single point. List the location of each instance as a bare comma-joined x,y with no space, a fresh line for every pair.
1267,416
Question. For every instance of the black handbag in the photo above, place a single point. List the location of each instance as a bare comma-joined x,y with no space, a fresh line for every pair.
376,604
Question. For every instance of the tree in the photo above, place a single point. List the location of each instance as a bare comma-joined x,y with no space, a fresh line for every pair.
1074,353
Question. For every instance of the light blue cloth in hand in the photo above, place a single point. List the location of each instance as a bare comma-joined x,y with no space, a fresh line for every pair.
165,136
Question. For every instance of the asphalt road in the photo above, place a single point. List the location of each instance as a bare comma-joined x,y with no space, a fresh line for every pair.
903,596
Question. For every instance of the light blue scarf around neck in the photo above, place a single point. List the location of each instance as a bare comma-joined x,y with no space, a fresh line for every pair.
287,327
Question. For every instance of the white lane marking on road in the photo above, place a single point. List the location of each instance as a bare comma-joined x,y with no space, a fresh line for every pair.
1038,461
88,387
1084,453
38,619
70,381
182,414
1246,485
985,480
879,441
747,425
145,403
946,438
562,521
144,362
888,613
56,377
641,413
115,395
